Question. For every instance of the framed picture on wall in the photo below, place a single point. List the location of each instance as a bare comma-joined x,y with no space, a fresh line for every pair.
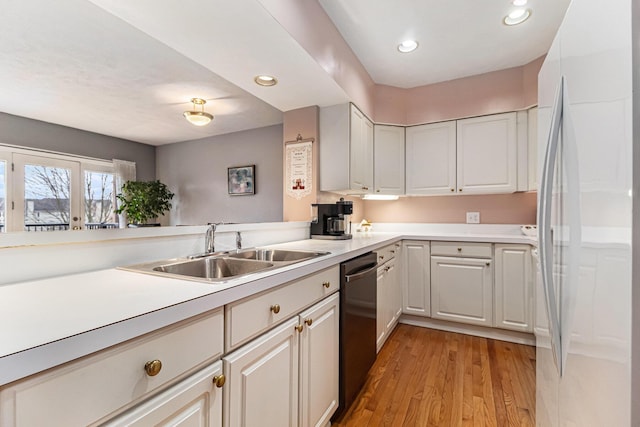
242,180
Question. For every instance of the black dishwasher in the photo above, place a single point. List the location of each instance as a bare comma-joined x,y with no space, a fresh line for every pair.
357,325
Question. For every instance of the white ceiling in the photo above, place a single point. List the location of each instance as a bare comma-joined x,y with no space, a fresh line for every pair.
129,69
457,38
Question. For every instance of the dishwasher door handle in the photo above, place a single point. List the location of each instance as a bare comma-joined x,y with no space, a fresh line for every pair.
350,277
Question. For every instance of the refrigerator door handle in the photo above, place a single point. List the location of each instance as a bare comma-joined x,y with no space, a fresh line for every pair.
545,236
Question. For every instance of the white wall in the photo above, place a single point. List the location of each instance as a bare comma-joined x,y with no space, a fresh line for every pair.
196,171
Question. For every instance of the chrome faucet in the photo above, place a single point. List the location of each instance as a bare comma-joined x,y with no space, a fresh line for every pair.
238,241
209,237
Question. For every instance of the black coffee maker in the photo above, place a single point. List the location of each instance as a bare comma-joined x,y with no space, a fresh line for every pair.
331,220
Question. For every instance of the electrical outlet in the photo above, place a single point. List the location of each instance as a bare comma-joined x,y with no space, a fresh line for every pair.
473,217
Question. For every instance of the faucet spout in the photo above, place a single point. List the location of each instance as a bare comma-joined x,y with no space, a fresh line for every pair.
209,238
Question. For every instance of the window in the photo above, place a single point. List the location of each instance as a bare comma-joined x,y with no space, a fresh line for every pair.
53,192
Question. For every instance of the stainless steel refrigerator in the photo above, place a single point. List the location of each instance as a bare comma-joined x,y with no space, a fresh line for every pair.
584,301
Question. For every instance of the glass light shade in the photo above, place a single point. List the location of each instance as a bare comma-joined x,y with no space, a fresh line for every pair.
198,118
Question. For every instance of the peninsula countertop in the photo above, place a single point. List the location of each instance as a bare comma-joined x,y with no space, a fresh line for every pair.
48,322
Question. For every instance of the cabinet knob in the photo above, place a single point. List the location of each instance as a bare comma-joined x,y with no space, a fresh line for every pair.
392,251
452,190
460,190
308,321
488,264
275,308
219,380
153,367
381,256
459,249
326,284
299,328
387,268
377,191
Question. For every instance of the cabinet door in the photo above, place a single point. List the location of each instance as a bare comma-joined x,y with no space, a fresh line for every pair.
487,154
396,281
319,369
262,380
416,289
388,158
361,152
431,158
390,288
513,287
532,147
462,290
195,401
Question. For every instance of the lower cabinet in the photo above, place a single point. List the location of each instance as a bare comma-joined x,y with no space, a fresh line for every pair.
513,287
462,290
289,376
389,301
416,280
196,401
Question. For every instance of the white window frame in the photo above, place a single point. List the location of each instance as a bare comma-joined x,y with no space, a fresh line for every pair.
15,157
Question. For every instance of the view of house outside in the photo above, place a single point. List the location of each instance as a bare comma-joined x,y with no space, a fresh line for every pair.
47,198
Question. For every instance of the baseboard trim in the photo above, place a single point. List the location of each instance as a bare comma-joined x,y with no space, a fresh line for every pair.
478,331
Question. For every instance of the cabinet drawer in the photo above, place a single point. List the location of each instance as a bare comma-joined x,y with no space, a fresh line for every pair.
386,253
251,316
68,395
461,249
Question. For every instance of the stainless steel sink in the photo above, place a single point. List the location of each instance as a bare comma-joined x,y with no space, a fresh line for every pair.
221,267
213,268
276,255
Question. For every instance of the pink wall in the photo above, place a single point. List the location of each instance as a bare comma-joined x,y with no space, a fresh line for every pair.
303,121
517,208
490,93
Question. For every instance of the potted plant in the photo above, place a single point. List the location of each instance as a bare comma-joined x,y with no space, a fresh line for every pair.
143,200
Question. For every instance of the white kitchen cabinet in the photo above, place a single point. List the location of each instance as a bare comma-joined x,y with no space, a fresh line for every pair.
195,401
532,148
389,292
388,159
487,154
462,290
319,368
513,287
416,280
120,376
346,150
262,380
288,376
431,159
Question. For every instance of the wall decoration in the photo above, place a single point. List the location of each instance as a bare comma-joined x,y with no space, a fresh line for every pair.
242,180
299,167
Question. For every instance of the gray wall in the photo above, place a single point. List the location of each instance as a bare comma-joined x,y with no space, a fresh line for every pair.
196,171
24,132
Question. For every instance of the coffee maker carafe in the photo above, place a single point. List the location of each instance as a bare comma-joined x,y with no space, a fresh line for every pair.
331,220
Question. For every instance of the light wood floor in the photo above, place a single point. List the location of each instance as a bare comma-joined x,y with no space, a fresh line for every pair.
424,377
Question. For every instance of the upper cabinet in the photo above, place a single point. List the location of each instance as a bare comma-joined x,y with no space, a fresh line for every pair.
388,158
487,154
479,155
346,150
431,158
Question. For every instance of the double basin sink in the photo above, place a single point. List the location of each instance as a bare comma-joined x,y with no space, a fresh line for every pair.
220,267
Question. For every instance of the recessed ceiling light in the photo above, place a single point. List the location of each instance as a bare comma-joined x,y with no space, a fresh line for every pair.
516,17
519,2
408,46
265,80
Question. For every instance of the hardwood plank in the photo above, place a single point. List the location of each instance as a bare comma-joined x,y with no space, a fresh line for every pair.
424,377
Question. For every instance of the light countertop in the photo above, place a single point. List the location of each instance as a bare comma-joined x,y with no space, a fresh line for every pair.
48,322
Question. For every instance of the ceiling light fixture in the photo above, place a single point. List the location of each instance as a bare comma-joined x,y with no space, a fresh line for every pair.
195,117
408,46
379,197
519,3
265,80
516,17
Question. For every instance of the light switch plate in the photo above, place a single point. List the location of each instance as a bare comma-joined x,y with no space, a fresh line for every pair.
473,217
